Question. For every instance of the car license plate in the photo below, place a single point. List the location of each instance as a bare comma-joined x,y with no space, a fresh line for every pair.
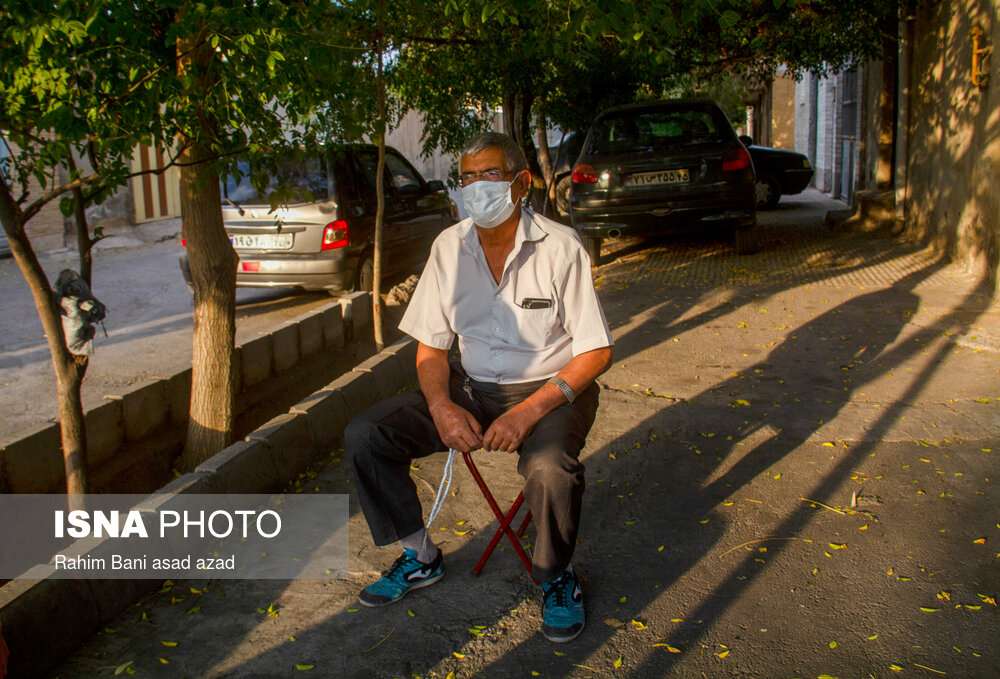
265,241
657,178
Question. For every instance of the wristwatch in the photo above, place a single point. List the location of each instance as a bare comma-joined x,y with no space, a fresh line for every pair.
564,388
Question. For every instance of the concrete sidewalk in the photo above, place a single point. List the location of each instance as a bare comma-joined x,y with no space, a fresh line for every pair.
792,474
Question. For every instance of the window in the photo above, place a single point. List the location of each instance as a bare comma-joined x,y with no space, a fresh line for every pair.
652,129
305,180
406,181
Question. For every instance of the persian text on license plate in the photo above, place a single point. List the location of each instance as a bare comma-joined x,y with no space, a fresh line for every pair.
658,178
266,241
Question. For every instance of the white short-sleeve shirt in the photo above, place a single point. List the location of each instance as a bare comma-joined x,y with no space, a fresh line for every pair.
544,312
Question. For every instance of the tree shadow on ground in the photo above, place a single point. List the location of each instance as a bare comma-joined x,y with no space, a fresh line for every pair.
659,468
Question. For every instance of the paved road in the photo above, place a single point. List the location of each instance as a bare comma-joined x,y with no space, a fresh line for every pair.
148,325
829,367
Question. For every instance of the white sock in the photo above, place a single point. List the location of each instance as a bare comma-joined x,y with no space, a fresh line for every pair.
421,544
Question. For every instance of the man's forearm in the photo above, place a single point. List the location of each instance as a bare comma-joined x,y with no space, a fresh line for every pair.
579,374
433,373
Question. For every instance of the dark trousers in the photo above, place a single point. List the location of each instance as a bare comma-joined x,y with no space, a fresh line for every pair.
383,440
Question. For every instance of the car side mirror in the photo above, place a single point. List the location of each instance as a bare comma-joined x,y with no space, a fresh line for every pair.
435,185
746,139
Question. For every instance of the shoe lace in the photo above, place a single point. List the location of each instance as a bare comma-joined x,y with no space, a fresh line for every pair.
396,566
557,591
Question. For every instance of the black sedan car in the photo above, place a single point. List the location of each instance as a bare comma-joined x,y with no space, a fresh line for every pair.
780,172
667,166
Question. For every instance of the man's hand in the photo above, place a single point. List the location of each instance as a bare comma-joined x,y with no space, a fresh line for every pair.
510,429
456,426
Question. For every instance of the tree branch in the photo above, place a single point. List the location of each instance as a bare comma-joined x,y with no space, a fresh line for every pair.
51,195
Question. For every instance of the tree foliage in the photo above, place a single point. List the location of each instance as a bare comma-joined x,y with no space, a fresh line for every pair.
568,59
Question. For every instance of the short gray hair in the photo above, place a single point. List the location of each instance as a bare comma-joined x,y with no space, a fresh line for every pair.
512,153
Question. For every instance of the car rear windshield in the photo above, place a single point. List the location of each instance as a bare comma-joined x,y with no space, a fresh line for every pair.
304,180
656,129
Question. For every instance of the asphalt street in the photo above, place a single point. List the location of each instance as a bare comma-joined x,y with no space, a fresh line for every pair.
148,324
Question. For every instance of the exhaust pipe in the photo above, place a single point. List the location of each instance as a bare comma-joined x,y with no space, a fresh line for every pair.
614,233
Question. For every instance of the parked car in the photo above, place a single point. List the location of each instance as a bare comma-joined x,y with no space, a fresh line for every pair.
323,239
4,245
780,172
659,167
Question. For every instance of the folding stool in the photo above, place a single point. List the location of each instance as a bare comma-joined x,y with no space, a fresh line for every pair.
504,519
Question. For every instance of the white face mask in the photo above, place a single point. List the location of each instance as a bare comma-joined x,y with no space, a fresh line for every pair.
488,203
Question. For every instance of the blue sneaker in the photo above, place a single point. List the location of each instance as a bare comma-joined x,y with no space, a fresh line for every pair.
406,573
562,608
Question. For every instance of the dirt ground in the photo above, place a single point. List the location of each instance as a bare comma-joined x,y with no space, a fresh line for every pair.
793,473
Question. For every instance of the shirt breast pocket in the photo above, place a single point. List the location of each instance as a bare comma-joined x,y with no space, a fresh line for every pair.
535,326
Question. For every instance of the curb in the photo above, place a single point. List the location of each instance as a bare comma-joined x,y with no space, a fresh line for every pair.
135,434
34,614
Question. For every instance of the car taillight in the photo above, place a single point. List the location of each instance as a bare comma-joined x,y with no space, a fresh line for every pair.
737,159
184,242
584,174
335,235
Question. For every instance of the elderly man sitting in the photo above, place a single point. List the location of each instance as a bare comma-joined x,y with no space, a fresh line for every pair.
516,290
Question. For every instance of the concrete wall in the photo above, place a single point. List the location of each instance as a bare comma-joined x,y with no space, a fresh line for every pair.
783,111
805,116
44,620
870,115
134,438
953,164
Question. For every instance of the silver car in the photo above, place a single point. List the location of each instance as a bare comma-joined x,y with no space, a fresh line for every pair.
322,238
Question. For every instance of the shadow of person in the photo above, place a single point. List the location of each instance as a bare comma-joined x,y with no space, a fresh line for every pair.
655,489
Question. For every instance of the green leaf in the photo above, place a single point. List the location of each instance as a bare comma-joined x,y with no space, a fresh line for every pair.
728,19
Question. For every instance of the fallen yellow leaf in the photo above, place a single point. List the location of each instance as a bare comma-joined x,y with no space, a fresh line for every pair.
723,654
169,644
458,655
618,663
304,668
164,661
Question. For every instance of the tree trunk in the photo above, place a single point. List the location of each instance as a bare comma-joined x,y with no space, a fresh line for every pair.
517,123
83,244
544,158
213,274
885,169
379,195
69,369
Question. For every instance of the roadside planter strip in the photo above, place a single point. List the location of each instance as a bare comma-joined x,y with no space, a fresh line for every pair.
133,438
44,620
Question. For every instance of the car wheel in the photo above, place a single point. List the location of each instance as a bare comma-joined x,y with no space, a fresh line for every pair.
768,191
593,248
365,279
563,187
746,240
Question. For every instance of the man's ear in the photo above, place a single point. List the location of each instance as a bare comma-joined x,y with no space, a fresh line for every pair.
524,182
